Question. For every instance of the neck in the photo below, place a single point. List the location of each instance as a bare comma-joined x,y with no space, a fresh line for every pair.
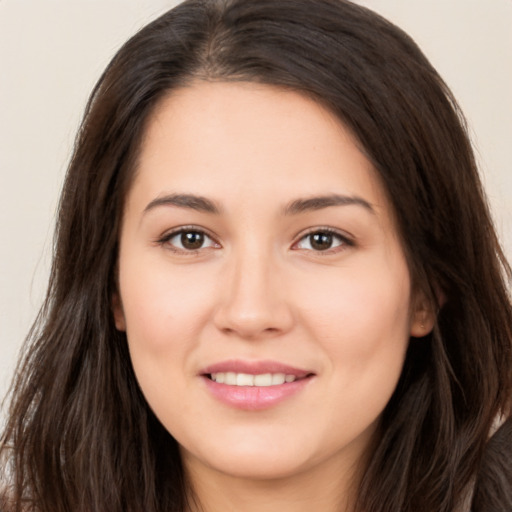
326,489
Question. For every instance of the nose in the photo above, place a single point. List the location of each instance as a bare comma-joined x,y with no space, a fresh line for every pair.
254,302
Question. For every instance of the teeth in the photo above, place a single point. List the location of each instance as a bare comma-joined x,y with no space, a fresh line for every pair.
242,379
218,377
278,378
264,379
245,379
230,378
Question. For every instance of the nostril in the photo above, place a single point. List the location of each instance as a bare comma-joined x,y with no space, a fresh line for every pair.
252,318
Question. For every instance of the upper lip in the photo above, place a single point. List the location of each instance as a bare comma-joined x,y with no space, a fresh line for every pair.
255,368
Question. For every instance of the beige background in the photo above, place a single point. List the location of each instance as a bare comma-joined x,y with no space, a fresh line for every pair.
53,51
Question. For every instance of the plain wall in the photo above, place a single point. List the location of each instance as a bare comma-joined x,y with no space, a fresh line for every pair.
53,51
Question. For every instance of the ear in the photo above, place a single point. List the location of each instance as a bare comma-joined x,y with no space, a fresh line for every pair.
423,316
117,311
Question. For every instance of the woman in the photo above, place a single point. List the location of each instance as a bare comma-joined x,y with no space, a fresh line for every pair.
276,282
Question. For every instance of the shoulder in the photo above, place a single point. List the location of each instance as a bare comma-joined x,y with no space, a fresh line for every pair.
493,487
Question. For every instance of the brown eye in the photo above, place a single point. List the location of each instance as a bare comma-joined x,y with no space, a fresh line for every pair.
188,240
323,240
192,240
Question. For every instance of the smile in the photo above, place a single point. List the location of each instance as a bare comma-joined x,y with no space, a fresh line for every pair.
246,379
254,385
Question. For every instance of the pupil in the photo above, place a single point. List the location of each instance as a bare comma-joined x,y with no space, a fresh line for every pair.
192,240
321,241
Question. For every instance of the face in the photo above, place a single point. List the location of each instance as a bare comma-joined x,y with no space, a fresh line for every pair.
262,284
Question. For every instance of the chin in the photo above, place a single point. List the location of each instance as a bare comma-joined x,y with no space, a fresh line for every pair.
261,466
252,458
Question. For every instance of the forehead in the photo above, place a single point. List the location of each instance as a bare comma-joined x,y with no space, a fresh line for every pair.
223,138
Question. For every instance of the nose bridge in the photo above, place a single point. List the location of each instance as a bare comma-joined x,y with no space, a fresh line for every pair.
254,300
250,281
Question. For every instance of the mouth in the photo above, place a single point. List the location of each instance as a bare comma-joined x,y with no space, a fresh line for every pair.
259,380
251,385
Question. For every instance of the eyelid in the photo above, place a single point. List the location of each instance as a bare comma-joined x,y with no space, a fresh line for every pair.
164,239
346,239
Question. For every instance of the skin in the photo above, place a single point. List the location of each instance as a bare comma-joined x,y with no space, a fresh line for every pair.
257,289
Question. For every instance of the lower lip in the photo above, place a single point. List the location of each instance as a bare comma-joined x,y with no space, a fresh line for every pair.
255,398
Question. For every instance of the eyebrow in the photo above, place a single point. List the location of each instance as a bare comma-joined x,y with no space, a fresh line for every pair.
319,202
190,201
301,205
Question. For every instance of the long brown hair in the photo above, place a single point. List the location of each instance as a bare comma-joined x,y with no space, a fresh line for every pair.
80,436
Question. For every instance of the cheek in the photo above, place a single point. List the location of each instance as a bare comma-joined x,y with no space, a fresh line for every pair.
165,310
164,313
360,317
164,307
363,329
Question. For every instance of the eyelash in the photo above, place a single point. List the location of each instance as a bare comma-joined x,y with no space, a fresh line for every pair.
166,239
344,240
